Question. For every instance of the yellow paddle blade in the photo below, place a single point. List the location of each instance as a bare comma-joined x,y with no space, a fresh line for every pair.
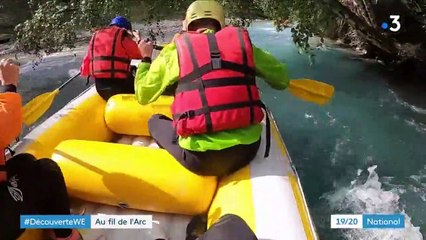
312,90
34,109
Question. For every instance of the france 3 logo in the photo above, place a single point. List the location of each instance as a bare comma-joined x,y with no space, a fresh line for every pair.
395,25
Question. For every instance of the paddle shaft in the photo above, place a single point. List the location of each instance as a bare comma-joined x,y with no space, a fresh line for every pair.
68,81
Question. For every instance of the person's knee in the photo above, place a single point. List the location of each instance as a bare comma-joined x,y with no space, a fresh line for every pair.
49,167
154,120
231,218
50,175
229,227
20,162
158,116
23,157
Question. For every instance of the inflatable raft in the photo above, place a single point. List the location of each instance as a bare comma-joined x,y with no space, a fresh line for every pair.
104,176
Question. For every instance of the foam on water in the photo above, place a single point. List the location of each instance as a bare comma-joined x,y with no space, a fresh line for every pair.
368,196
407,105
420,127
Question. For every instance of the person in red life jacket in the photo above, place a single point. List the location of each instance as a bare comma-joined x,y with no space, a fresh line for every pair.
217,112
108,58
27,186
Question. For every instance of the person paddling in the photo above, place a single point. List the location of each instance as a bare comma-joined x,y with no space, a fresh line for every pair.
217,112
27,186
108,58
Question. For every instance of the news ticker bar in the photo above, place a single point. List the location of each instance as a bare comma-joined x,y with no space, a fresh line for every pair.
343,221
86,221
368,221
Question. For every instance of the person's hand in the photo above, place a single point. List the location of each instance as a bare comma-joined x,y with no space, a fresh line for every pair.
146,48
136,36
9,72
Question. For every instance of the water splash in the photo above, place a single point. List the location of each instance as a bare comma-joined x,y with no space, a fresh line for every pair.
418,183
407,105
368,197
325,119
420,127
331,118
340,148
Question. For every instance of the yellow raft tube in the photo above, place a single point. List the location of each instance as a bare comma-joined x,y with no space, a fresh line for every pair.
267,194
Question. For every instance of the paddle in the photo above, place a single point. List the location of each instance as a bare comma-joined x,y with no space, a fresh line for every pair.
305,89
311,90
34,109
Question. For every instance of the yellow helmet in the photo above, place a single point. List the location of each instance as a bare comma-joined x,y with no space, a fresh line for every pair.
202,9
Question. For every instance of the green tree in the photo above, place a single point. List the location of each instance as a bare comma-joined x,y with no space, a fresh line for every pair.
55,23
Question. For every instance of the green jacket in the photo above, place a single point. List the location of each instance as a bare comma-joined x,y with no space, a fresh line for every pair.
152,79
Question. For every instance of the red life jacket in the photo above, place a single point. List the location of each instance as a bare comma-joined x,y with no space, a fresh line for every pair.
217,87
108,56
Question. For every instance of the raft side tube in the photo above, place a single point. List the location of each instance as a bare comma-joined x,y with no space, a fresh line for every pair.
138,177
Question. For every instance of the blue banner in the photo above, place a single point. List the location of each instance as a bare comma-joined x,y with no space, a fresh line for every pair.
381,221
55,221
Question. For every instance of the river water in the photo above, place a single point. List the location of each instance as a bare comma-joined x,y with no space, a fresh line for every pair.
362,153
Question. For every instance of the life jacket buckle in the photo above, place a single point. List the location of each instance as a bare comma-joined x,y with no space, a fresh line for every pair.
216,60
190,114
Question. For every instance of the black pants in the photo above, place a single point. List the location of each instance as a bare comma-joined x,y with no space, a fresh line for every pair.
107,88
209,163
229,227
33,187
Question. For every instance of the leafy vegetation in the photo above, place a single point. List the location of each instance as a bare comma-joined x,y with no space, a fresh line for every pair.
55,23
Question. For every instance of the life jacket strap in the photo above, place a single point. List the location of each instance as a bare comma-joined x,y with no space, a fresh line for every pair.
217,82
113,57
216,61
218,108
116,71
110,58
206,68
